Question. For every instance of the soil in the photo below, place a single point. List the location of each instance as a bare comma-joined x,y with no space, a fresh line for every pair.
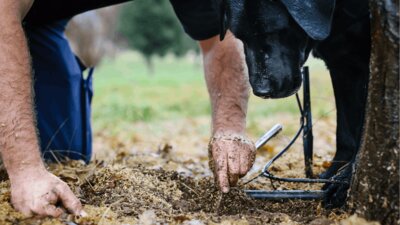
166,186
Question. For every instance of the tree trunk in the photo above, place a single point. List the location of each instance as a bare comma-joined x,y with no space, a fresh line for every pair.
149,65
375,188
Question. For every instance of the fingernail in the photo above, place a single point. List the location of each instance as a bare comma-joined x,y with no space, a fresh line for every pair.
225,190
83,214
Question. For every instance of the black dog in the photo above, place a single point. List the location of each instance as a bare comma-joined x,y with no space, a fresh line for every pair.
278,36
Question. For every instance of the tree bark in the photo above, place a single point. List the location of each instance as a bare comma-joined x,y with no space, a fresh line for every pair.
374,191
149,65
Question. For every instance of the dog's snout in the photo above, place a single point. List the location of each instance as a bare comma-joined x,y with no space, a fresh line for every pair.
275,85
263,92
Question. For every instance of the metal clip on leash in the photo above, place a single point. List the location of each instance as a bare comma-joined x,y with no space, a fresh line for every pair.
306,129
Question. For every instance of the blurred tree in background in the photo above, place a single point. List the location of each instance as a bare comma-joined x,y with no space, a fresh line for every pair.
151,27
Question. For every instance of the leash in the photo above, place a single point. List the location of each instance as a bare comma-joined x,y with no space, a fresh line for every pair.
306,130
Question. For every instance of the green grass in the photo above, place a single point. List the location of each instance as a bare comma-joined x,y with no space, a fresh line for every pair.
125,93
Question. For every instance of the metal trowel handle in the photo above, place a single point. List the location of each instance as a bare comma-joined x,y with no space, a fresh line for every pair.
267,136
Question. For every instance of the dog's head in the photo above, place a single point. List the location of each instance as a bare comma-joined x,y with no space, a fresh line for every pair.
276,35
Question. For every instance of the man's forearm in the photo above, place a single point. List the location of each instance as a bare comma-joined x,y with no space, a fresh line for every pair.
227,82
231,153
18,139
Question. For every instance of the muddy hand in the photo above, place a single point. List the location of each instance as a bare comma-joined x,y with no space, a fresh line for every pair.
231,157
38,194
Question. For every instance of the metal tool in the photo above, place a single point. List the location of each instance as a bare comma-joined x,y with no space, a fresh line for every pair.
284,195
267,136
306,129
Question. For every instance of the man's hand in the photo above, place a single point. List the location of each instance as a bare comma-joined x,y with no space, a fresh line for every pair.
39,192
231,157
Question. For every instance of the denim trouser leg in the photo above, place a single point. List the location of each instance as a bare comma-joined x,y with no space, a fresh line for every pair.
62,95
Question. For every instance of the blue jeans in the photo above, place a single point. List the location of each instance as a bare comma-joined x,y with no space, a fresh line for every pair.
62,95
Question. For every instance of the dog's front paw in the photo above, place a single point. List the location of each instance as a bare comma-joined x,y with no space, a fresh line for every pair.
336,193
332,170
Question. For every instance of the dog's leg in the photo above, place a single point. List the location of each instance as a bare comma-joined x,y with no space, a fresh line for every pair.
347,57
350,80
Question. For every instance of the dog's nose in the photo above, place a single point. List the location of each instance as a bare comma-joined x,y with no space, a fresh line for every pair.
263,92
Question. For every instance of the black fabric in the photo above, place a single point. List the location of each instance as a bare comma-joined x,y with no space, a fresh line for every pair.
198,17
47,11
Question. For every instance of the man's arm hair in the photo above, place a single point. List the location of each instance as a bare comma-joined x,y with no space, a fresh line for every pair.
227,83
19,145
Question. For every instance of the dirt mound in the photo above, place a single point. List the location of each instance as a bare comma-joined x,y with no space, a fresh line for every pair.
132,190
136,189
129,190
153,176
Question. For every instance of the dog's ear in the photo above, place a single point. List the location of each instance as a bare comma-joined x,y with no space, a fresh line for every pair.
223,19
314,16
